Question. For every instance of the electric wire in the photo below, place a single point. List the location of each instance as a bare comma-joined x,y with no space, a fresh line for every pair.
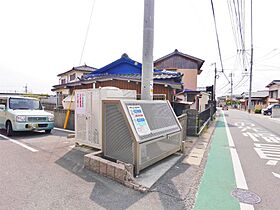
217,36
87,31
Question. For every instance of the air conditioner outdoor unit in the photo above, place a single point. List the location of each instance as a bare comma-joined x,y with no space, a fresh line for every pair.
139,132
88,112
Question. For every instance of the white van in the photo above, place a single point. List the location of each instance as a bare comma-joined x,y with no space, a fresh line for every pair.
18,113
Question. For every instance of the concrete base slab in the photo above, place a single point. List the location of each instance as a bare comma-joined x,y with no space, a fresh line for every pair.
193,161
196,155
149,176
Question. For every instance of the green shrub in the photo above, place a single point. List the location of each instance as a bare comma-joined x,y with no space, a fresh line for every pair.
258,111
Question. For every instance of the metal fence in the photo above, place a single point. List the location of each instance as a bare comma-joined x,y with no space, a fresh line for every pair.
204,117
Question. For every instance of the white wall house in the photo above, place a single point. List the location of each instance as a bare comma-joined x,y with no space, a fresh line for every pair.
274,92
71,76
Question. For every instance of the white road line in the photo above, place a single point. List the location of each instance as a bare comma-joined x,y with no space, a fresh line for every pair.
65,130
276,175
19,143
272,162
251,136
238,172
245,206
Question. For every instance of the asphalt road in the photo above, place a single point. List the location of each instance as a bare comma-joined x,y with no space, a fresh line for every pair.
257,141
45,171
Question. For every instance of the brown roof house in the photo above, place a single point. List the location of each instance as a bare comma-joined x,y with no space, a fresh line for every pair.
188,65
125,73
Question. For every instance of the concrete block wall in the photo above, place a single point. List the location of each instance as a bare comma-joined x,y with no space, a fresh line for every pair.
120,172
183,121
192,120
59,118
275,113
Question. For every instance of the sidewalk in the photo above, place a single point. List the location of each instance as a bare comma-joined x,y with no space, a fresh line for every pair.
218,180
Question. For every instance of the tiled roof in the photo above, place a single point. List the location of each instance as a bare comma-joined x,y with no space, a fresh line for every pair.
83,68
274,82
131,77
258,94
125,66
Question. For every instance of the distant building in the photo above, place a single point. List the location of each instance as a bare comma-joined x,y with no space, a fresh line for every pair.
66,79
259,98
274,91
188,65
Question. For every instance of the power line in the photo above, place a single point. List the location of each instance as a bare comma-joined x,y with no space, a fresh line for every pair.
268,58
88,27
223,86
241,85
236,10
217,36
267,54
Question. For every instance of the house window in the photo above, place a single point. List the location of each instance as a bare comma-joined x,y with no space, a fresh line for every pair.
63,81
72,77
273,94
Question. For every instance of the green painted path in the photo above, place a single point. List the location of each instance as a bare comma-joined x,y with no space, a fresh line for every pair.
218,179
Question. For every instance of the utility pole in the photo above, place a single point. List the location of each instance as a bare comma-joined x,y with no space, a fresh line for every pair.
215,82
25,88
251,62
148,46
231,86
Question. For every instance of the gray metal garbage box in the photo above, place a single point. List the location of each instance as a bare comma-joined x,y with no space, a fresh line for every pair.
139,132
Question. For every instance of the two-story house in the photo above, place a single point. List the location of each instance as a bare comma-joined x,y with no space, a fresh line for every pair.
187,65
274,91
66,79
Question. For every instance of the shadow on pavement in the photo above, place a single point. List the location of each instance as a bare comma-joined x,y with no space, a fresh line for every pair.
173,187
106,193
32,134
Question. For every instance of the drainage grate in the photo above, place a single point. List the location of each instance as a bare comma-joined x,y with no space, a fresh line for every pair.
246,196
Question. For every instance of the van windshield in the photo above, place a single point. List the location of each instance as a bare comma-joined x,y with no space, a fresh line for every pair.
24,103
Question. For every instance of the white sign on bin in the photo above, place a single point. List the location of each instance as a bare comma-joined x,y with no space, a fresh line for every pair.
81,103
139,120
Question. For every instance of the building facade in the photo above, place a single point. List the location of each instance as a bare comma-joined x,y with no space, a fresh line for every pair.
274,92
185,64
125,73
67,78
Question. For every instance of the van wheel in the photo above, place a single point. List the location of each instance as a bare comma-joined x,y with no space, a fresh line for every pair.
48,131
9,129
268,113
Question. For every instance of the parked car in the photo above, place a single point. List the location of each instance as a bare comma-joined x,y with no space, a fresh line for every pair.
268,110
18,113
